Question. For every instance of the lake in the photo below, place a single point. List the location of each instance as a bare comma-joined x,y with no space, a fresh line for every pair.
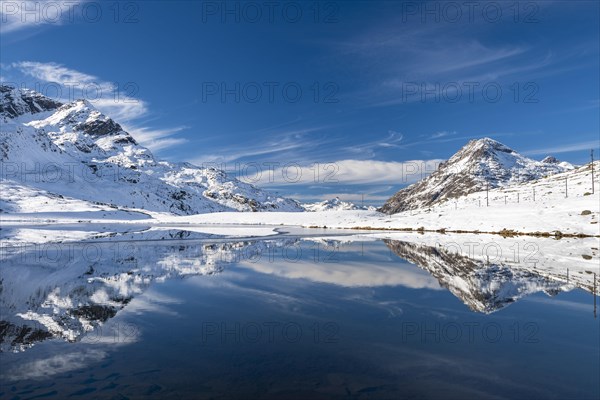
303,314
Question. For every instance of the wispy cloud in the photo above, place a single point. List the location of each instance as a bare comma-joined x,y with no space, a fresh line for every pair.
585,106
392,140
20,15
157,139
581,146
285,145
427,51
442,134
53,72
396,53
109,98
106,96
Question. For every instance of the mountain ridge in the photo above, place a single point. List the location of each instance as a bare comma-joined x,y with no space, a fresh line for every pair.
480,164
105,164
335,204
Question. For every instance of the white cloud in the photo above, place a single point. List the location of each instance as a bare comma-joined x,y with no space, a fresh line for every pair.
72,85
111,99
53,365
52,72
156,139
356,198
124,109
441,134
343,172
23,14
385,172
348,274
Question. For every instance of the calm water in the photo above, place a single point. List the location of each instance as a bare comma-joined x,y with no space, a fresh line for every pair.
289,317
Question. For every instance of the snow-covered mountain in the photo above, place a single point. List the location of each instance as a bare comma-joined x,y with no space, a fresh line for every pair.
73,152
478,164
482,286
335,204
63,295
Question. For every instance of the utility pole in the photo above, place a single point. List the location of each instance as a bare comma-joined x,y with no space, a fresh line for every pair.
592,165
487,194
595,315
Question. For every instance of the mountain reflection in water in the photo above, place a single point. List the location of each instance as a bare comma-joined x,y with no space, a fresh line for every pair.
66,290
172,313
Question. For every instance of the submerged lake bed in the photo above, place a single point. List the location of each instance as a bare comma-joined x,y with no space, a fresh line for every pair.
176,313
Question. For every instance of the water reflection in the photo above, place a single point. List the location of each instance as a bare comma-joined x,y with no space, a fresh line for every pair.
66,290
63,290
482,286
173,313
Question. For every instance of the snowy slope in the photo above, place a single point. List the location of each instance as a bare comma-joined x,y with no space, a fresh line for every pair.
478,164
335,204
76,152
550,212
483,286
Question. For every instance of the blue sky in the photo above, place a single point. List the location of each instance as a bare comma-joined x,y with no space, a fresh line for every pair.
353,90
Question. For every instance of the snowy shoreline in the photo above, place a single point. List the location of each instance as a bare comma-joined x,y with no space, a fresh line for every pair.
537,208
560,224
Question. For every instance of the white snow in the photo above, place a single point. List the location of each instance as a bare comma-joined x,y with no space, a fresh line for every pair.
551,211
335,204
76,152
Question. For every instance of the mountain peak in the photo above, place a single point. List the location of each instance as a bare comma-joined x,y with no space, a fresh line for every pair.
486,144
15,102
479,164
79,105
110,167
82,116
335,204
550,160
486,141
84,103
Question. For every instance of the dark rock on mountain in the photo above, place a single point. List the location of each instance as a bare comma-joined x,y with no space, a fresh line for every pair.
479,164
